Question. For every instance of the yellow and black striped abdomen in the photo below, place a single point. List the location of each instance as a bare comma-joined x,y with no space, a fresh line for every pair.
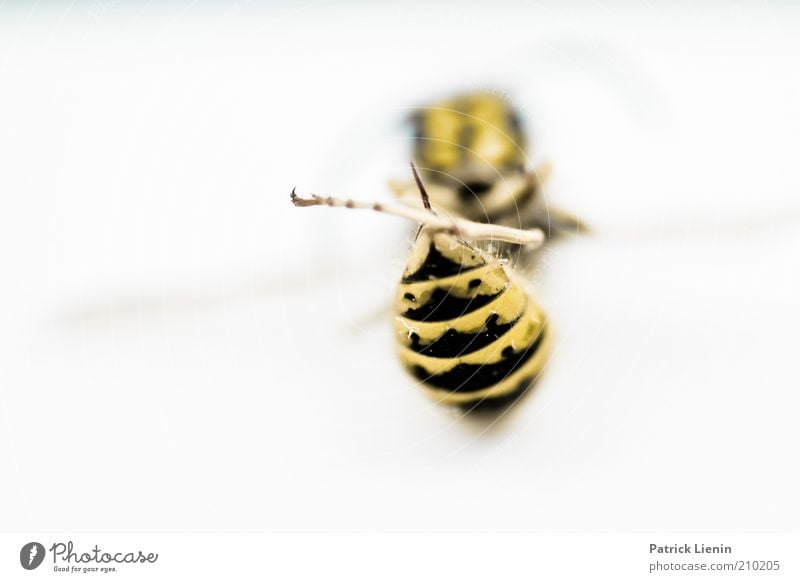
466,328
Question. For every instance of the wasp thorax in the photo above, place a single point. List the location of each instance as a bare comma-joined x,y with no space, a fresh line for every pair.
465,327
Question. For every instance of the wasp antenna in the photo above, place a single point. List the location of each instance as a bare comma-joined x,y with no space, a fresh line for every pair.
426,202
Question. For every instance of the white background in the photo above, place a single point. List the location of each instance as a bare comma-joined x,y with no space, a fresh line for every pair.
180,349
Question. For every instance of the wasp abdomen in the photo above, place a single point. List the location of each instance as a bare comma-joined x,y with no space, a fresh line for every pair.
467,329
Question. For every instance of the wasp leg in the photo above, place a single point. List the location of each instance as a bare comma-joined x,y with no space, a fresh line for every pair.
432,222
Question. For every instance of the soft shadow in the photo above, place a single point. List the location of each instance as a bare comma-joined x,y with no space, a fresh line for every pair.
734,226
149,305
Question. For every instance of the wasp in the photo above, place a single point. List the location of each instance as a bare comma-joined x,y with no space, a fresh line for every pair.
473,153
466,328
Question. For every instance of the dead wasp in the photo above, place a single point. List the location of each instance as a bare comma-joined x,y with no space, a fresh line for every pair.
465,326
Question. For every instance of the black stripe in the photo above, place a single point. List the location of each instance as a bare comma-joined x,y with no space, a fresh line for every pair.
453,343
471,191
515,123
443,306
436,266
473,377
493,404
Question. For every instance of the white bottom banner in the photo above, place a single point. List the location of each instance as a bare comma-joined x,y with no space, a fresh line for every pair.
395,556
